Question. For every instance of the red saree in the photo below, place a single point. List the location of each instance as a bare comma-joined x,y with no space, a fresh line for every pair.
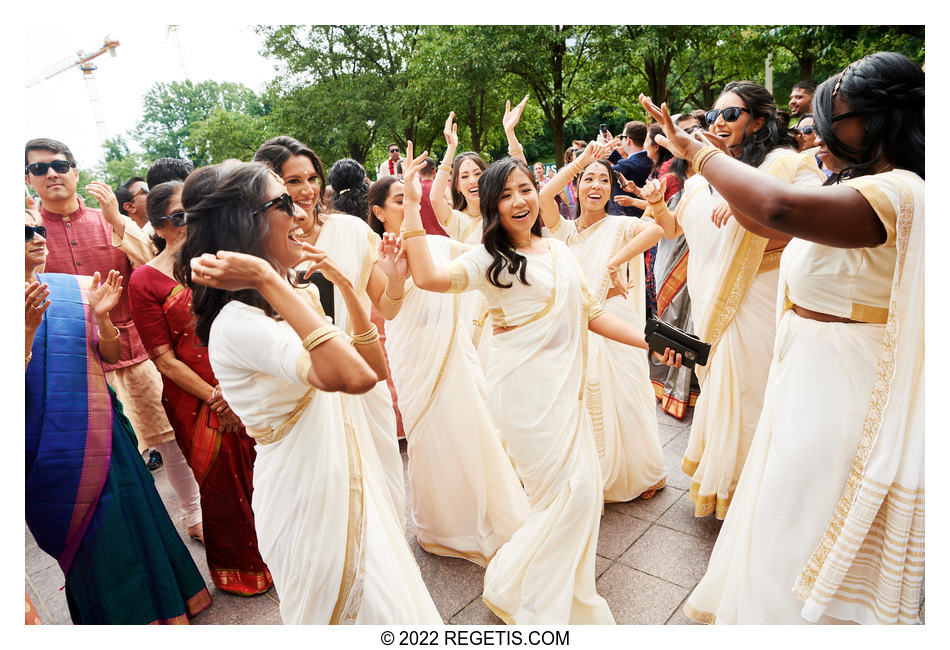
222,462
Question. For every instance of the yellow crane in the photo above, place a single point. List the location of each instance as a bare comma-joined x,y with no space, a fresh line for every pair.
83,61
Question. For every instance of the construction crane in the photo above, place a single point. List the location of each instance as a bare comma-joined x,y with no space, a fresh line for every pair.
83,61
173,30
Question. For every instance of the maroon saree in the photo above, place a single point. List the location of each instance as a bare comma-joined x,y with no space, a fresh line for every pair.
222,462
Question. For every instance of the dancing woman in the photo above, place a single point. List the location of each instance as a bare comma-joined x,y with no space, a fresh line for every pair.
466,499
620,397
90,501
732,274
342,234
218,450
830,506
323,513
540,309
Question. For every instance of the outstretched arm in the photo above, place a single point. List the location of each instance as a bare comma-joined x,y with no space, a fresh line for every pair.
645,237
836,216
509,121
440,206
615,329
425,273
549,211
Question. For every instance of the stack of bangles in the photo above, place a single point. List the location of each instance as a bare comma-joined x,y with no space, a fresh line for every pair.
702,157
514,151
368,337
418,232
318,336
112,339
445,167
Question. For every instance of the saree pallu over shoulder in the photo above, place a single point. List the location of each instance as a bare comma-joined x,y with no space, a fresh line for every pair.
869,564
66,397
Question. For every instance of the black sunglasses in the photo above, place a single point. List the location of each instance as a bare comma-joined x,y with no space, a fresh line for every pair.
287,204
35,229
730,114
843,116
394,151
805,130
178,218
144,190
40,168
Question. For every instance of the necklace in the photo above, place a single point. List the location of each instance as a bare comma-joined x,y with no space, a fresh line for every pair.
523,244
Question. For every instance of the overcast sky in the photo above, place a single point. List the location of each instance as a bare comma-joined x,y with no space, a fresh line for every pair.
146,55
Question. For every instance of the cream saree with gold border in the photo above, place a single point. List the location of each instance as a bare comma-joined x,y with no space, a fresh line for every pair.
732,284
466,499
322,509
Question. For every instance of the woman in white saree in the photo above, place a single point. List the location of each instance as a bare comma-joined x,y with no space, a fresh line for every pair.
466,499
827,521
541,310
353,247
323,513
620,397
732,275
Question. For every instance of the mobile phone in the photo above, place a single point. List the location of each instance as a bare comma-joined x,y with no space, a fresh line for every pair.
324,286
603,128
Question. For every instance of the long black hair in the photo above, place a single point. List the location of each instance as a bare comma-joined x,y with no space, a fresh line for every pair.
491,185
459,200
662,153
156,206
886,90
278,150
772,134
377,195
223,203
348,180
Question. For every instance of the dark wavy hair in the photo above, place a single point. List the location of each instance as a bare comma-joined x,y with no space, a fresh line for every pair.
156,205
348,180
459,202
278,150
662,153
377,195
886,90
491,185
772,134
577,184
223,203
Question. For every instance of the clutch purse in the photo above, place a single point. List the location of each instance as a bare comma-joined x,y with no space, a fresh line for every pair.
662,335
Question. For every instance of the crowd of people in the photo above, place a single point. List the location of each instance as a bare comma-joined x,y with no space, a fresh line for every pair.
271,328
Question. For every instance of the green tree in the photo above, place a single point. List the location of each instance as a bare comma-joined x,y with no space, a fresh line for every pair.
227,134
119,164
171,109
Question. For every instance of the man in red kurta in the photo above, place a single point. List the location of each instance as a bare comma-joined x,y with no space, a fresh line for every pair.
82,241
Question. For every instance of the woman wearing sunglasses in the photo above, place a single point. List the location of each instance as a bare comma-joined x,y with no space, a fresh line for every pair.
323,513
342,233
218,450
90,501
827,522
732,275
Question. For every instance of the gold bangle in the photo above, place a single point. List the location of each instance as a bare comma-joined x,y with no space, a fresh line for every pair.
702,157
418,232
368,337
394,301
318,336
514,152
444,167
699,154
110,340
706,158
28,357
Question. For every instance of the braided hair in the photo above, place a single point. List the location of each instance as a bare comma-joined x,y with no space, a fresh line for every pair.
348,180
886,90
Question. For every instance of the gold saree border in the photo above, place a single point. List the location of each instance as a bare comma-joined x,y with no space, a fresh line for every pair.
470,228
498,611
445,360
474,557
807,579
698,616
708,504
350,597
267,436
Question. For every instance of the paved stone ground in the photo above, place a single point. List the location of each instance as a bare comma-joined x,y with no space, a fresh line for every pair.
649,557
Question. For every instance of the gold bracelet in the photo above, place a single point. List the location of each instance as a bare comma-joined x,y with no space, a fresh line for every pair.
368,337
699,154
113,339
576,167
28,357
318,336
515,151
657,202
445,167
707,157
703,155
394,301
418,232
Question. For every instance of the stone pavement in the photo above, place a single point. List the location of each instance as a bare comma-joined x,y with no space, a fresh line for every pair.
649,557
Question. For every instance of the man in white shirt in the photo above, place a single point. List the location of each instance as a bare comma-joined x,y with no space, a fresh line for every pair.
390,166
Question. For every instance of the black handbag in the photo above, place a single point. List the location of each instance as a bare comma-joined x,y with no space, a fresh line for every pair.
662,335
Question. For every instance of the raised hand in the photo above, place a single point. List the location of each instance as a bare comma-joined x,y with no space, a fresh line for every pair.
721,214
450,132
628,186
36,295
593,151
412,187
392,258
511,117
653,190
107,200
104,297
230,271
678,141
321,261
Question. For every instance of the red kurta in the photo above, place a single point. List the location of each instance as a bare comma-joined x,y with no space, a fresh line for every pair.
222,462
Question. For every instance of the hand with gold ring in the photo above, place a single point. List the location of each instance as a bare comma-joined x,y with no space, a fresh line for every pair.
36,295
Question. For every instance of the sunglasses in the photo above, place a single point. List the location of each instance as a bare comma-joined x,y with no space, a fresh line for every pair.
30,230
394,151
287,204
806,130
40,168
178,218
843,116
730,114
142,191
